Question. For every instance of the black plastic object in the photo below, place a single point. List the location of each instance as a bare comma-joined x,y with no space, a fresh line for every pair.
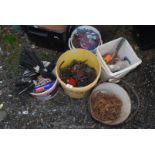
145,36
29,60
55,40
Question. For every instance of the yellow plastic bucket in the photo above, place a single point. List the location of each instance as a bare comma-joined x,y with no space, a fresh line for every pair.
80,55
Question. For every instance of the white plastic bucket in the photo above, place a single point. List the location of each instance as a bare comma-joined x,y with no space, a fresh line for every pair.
70,43
125,51
50,93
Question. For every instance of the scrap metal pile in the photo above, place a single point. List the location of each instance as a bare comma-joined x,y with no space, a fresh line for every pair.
114,59
37,77
78,74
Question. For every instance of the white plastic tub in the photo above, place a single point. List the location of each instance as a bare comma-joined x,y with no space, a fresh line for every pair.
125,51
50,93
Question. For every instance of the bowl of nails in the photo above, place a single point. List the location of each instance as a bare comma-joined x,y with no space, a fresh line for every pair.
109,104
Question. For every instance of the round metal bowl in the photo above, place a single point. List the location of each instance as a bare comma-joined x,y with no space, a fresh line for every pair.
121,94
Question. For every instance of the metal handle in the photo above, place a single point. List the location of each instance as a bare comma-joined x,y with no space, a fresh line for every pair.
71,46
